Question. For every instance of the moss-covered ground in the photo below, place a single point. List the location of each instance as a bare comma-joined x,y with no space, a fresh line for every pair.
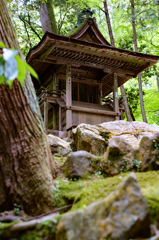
83,192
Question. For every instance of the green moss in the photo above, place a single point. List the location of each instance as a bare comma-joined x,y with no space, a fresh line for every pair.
83,192
76,29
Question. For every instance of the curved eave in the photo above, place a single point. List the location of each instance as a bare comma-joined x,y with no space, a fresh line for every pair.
50,38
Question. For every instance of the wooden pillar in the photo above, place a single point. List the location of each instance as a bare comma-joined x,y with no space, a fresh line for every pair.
56,83
46,114
60,119
100,94
68,97
115,96
54,118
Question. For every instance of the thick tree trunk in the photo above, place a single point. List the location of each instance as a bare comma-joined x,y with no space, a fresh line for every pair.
139,76
26,165
113,44
47,16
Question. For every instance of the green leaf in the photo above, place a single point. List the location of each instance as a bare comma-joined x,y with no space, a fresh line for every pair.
2,45
31,70
1,79
21,69
9,82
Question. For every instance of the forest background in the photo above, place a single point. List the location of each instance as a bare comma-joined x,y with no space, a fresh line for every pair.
26,18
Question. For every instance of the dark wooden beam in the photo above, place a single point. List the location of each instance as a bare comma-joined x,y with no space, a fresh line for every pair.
119,71
107,52
96,111
105,68
80,80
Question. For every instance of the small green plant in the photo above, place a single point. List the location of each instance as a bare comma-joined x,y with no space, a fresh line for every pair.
98,173
16,209
156,146
136,164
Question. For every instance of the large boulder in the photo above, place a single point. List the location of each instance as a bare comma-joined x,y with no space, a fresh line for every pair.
122,215
94,138
119,157
149,152
80,164
58,145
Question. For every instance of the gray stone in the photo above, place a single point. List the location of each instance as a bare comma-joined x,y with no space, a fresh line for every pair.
80,164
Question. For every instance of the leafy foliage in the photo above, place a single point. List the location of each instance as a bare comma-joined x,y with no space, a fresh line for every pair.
13,67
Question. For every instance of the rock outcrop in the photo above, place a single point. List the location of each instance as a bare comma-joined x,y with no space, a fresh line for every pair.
80,164
122,215
94,138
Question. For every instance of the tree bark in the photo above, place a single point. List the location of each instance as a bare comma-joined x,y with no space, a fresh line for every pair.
47,16
139,76
113,44
26,165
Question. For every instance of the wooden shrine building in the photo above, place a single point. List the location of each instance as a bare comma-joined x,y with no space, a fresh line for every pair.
76,72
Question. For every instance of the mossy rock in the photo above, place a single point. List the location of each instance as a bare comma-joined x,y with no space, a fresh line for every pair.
83,192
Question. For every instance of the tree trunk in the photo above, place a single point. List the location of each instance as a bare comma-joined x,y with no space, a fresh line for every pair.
157,77
132,115
26,165
139,76
47,16
109,23
158,8
113,44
